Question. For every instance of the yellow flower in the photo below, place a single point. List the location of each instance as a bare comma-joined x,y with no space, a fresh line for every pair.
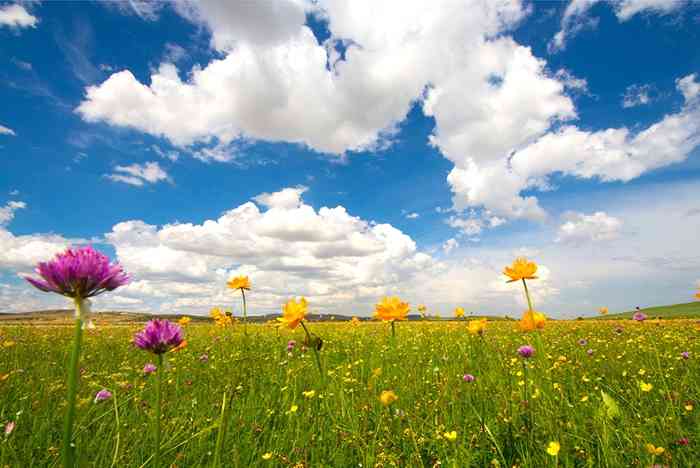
422,308
645,387
532,320
451,436
355,321
220,317
390,309
309,393
267,456
388,397
553,448
239,282
654,450
184,321
477,327
521,269
293,409
293,313
459,312
603,311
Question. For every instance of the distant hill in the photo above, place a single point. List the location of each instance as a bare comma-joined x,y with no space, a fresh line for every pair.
688,310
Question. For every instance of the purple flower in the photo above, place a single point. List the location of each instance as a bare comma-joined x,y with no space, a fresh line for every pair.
81,273
526,351
149,368
9,427
639,316
685,354
682,441
589,352
290,345
204,358
468,378
103,395
159,336
583,342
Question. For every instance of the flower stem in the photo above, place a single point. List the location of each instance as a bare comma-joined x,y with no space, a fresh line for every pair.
393,329
159,384
223,422
313,346
245,314
68,449
527,295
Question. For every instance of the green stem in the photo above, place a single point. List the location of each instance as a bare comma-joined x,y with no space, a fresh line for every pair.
245,314
312,343
527,295
159,385
223,422
68,448
393,330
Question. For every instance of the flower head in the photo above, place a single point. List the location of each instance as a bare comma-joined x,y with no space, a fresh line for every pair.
149,368
477,327
532,320
459,312
468,378
451,436
184,321
290,345
390,309
639,316
159,336
221,318
239,282
526,351
685,354
645,387
355,321
80,273
603,311
652,450
293,313
387,397
9,427
553,448
521,269
103,395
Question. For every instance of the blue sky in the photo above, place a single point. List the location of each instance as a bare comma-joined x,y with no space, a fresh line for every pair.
196,141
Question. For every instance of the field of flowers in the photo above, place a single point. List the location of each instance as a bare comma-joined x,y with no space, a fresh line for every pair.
592,394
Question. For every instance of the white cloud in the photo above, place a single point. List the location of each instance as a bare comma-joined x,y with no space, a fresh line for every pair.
6,131
16,16
636,95
580,228
7,212
689,86
412,216
449,245
469,226
139,174
577,16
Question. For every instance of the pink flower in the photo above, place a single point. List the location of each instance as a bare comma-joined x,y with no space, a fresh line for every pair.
103,395
149,368
526,351
468,378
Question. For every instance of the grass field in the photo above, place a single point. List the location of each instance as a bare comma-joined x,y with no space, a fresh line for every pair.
283,413
689,310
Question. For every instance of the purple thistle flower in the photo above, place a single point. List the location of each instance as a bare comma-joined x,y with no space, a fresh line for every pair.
526,351
639,316
149,368
81,273
159,336
103,395
685,354
468,378
290,345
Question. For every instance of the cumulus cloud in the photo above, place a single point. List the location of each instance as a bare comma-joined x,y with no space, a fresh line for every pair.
636,95
139,174
6,131
7,212
16,16
596,227
449,245
577,18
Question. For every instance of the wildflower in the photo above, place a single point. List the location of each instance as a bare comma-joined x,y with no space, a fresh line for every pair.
290,345
619,330
184,321
451,436
459,312
149,368
355,321
639,316
103,395
387,397
477,327
682,441
526,351
645,387
293,409
652,450
390,309
309,393
521,269
267,456
239,282
468,378
553,448
159,336
9,427
589,352
293,313
603,311
685,355
204,358
180,347
532,320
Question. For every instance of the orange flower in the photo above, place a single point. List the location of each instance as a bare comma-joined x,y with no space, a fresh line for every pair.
603,311
697,295
532,320
355,321
521,269
390,309
293,313
182,345
239,282
477,327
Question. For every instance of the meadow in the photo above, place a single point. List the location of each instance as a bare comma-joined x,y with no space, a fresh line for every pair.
595,393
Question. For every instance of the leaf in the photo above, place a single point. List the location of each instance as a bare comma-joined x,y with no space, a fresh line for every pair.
611,410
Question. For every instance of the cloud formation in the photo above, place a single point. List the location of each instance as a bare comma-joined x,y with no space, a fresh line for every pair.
16,16
139,174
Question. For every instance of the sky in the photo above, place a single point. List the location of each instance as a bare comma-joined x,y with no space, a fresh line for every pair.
344,151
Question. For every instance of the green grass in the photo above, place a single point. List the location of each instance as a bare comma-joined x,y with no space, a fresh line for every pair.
690,310
506,417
